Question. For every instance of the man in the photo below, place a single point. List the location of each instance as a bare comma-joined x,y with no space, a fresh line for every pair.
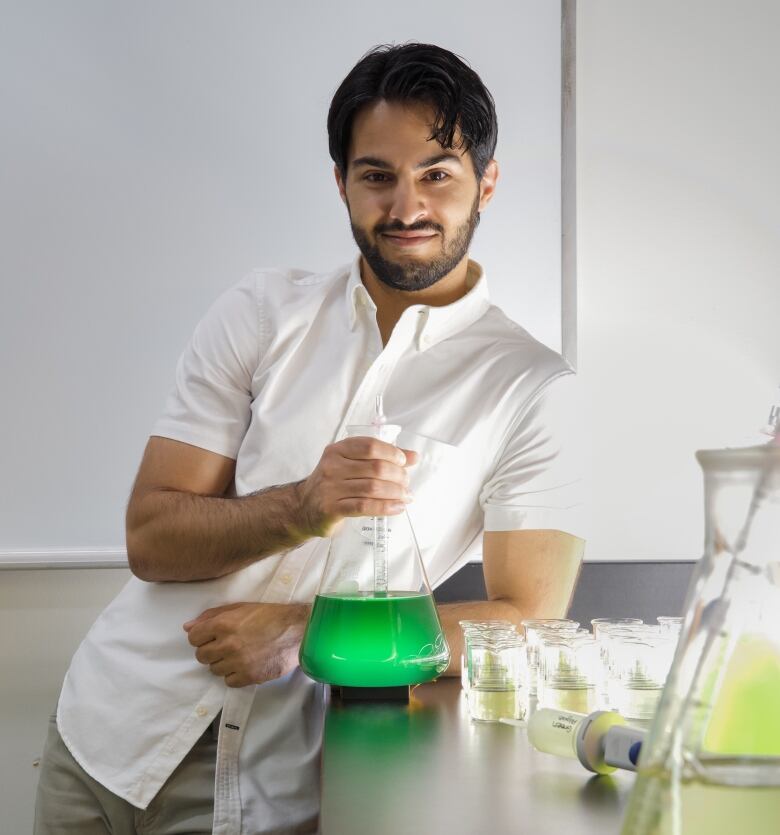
249,470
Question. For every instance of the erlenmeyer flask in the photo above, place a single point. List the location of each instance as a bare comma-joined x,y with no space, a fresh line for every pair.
374,621
711,761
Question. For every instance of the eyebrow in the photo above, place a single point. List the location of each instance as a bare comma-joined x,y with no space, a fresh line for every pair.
375,162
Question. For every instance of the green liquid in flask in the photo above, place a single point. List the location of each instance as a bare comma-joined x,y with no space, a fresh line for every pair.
374,640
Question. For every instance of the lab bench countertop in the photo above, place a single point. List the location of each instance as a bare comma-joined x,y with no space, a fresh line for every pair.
426,768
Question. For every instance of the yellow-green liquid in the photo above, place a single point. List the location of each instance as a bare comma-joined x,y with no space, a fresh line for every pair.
636,704
374,640
486,705
741,743
572,699
745,719
700,808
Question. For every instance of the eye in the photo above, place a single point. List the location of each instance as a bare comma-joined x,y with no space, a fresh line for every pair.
445,176
368,177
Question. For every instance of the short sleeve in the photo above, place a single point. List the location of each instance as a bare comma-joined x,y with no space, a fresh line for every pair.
537,481
210,405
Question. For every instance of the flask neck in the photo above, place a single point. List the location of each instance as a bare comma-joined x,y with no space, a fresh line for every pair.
742,504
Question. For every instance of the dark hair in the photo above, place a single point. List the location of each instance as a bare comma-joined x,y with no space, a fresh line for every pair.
418,72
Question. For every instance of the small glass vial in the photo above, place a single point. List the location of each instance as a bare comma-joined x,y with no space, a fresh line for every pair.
641,665
608,636
568,672
610,623
472,628
497,675
534,629
670,625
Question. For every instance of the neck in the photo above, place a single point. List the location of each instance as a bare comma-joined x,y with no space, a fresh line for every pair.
391,303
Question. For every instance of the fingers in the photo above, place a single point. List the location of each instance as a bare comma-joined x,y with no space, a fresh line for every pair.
237,673
371,497
210,613
222,668
218,626
211,653
376,469
372,488
374,450
365,448
233,677
201,633
369,507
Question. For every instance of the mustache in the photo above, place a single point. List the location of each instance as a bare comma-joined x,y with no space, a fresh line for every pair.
397,227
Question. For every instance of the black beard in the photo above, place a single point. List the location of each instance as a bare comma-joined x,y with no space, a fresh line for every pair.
418,275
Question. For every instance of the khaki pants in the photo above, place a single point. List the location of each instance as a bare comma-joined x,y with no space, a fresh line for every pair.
70,802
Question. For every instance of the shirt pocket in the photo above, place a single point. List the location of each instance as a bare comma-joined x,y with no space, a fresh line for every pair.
433,481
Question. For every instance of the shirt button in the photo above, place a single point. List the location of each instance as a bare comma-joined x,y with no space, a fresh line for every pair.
286,579
201,711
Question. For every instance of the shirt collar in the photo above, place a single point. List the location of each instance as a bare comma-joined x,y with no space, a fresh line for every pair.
357,295
436,323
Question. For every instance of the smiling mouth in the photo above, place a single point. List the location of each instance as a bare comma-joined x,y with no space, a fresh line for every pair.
409,240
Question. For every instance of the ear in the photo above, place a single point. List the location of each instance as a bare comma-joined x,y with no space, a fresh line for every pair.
340,183
487,185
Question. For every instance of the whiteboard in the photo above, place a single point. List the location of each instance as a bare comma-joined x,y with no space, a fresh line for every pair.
152,154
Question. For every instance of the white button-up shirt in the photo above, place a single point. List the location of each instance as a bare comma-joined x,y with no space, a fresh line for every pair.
278,368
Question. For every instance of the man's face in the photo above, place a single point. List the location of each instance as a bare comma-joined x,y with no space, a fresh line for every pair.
413,205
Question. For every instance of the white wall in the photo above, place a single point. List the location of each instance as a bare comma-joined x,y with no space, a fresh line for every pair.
153,153
679,255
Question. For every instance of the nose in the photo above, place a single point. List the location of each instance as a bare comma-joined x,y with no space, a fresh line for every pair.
407,204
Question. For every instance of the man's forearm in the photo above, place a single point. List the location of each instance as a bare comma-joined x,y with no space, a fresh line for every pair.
172,535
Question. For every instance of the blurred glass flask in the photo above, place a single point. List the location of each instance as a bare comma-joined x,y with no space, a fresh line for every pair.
711,761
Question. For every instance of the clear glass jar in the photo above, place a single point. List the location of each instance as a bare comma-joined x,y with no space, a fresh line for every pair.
497,678
568,672
471,628
610,623
609,636
534,629
670,625
641,663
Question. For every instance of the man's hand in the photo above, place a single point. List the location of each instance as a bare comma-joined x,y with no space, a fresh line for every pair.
249,643
182,525
355,477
